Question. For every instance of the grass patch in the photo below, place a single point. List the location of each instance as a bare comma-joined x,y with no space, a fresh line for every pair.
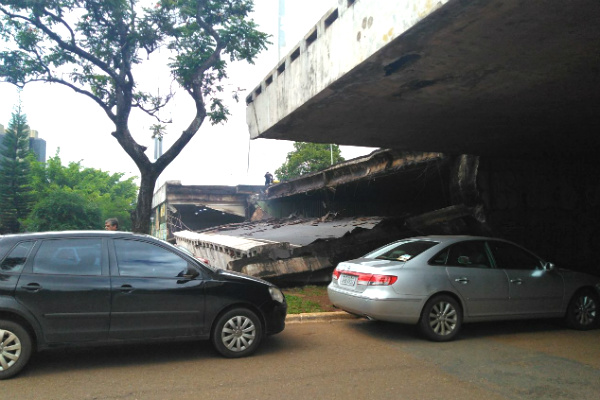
298,305
307,299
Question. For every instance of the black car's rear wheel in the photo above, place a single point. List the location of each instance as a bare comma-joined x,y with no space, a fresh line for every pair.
237,333
582,313
441,318
15,348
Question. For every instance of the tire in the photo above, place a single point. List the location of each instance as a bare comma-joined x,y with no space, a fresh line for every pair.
15,348
441,318
237,333
582,313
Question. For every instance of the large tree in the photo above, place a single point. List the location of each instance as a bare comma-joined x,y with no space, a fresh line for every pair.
15,179
94,47
307,158
93,195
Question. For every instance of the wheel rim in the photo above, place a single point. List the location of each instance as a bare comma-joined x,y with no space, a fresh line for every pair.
10,349
238,333
585,310
443,318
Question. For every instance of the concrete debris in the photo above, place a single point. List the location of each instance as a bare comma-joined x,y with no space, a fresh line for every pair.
282,250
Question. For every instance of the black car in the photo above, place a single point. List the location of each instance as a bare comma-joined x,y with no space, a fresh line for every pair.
83,288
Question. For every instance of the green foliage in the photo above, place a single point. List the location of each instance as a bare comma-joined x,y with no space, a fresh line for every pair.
64,209
198,32
15,160
158,131
96,196
96,48
307,158
298,305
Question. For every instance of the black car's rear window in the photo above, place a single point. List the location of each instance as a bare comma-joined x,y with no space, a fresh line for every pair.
402,251
69,256
17,257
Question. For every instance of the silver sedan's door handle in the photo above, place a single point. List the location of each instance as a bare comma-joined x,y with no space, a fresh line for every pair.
32,287
516,281
126,288
464,281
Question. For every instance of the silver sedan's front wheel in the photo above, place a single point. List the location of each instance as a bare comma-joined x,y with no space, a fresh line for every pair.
441,318
15,348
582,313
237,333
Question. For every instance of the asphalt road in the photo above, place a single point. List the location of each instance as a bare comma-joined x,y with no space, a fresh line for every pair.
349,359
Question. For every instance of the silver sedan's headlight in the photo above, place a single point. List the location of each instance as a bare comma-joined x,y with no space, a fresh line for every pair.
276,294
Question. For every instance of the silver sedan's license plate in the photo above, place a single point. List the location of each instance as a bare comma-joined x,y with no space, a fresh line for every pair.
348,280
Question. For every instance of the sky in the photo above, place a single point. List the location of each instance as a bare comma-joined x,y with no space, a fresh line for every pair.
218,155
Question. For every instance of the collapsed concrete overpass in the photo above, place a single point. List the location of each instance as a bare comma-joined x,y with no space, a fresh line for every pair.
485,77
176,207
508,89
516,83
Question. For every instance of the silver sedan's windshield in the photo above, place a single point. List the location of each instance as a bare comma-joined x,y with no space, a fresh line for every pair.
402,251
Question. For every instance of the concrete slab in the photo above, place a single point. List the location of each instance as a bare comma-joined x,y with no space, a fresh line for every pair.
299,232
501,78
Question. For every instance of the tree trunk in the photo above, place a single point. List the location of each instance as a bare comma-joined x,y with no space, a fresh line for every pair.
140,218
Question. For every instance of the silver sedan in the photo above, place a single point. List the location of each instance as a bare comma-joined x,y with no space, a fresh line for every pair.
439,282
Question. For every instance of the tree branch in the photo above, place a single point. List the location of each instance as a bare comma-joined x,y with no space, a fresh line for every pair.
216,54
158,105
185,137
73,48
77,89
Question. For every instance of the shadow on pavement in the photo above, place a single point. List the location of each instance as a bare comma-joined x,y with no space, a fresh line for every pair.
407,333
81,358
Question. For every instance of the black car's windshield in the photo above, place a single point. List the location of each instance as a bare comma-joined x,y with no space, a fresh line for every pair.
402,251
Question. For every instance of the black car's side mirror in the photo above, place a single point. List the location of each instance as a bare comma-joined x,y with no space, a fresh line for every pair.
189,273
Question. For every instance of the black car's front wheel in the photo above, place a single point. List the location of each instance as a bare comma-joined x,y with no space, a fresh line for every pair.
582,313
237,333
441,318
15,348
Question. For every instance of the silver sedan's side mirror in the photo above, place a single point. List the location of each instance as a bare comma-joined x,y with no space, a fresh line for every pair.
549,266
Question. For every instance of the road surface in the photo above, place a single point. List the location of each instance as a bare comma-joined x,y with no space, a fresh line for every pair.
349,359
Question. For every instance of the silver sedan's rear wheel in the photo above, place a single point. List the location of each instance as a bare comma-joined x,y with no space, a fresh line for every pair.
15,348
237,333
582,313
441,318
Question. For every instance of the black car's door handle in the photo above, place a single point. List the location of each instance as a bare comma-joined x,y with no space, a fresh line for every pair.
32,287
516,281
126,288
464,281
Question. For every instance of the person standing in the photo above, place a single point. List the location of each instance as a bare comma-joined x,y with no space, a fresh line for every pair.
111,224
268,178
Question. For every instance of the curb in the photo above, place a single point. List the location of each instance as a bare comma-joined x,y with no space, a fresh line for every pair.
318,317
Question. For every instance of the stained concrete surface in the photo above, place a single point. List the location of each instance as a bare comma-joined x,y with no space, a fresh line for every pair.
484,77
301,231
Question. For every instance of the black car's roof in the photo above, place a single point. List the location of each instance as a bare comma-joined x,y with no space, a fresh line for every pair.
64,234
